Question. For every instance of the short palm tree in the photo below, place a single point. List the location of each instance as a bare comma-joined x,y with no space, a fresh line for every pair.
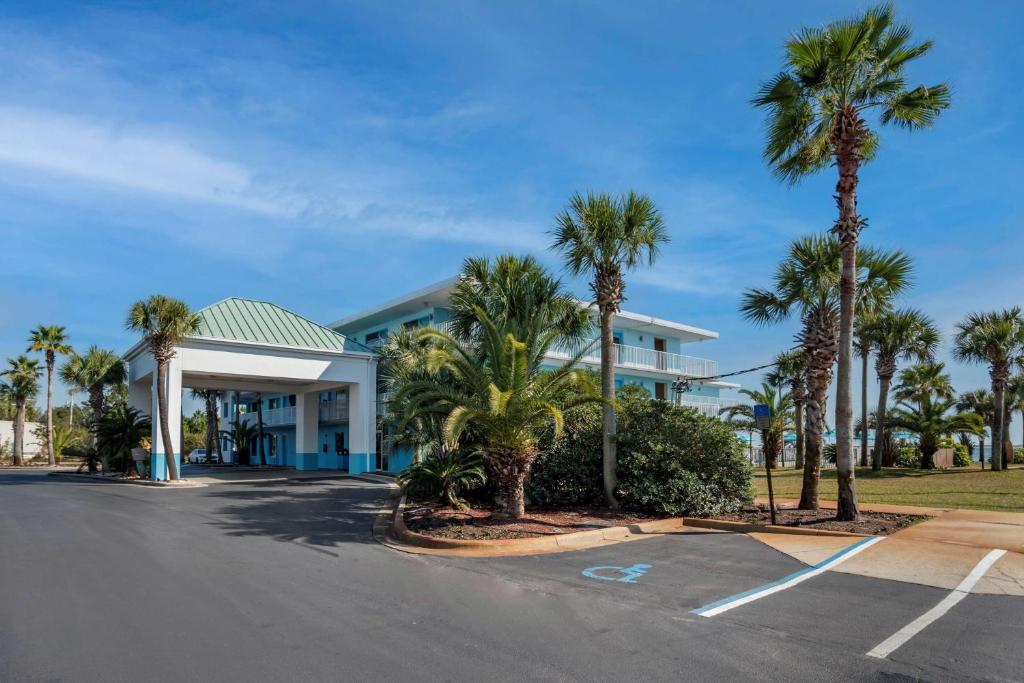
791,369
443,477
996,338
163,322
833,77
978,401
780,412
519,295
118,431
930,418
923,380
905,333
241,435
496,399
49,340
93,373
605,237
807,284
21,385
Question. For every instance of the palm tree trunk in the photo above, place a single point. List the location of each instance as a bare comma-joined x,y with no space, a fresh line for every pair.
798,409
211,417
509,470
998,413
50,457
608,444
880,415
259,428
165,423
18,455
1007,439
847,136
981,448
814,427
864,410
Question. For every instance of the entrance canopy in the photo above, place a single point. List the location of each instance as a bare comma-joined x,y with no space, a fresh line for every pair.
246,345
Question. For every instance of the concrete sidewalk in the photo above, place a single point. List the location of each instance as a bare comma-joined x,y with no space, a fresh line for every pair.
937,552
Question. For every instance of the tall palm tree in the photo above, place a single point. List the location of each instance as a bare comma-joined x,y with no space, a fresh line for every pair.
1014,402
163,323
996,338
790,369
93,373
499,400
606,237
931,420
49,340
833,77
780,414
21,386
807,284
862,347
978,401
209,398
259,429
905,333
521,296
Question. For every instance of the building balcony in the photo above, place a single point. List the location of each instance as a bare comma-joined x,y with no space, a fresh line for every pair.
638,358
710,406
330,411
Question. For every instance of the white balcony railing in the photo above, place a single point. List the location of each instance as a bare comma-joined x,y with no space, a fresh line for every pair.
272,417
707,405
334,411
639,358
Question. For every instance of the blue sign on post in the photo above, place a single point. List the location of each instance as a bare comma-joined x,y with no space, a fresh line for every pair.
762,416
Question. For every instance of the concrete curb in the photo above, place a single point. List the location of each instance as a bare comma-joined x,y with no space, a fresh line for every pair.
180,484
389,529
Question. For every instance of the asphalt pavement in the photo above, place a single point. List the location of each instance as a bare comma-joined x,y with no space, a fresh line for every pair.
283,581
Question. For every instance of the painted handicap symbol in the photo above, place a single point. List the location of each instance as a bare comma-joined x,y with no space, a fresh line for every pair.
627,574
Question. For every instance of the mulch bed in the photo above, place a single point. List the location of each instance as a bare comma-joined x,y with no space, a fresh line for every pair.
873,523
477,524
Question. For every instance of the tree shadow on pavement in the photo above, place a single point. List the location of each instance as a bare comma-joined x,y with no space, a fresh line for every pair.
316,513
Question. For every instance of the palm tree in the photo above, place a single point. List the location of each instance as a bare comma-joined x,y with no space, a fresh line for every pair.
922,380
240,435
908,334
163,322
780,412
978,401
833,76
791,369
498,400
996,338
862,347
49,340
93,373
22,385
118,431
931,420
807,283
1014,402
519,295
605,237
209,398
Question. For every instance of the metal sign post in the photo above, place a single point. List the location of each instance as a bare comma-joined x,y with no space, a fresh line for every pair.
763,421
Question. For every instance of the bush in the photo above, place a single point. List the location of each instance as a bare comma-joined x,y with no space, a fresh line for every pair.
830,453
442,478
908,456
671,461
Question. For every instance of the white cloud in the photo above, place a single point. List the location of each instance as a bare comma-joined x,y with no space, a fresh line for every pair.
128,158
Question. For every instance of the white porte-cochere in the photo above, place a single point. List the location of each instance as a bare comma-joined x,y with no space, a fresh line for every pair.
218,359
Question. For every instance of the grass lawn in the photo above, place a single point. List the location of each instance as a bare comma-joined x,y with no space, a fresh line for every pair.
953,488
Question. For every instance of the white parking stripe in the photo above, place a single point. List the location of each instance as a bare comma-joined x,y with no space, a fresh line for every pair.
785,582
890,644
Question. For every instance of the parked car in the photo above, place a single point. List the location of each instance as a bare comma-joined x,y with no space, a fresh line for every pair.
199,455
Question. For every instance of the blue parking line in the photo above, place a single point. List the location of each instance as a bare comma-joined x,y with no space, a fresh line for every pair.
785,582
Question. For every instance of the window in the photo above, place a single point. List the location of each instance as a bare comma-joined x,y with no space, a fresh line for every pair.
661,391
411,325
291,400
617,337
274,403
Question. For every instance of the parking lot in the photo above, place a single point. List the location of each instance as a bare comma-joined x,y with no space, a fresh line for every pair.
282,580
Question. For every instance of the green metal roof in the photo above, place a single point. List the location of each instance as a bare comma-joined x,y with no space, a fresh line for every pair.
265,323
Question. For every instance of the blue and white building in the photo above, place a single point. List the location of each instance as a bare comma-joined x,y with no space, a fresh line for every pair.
321,401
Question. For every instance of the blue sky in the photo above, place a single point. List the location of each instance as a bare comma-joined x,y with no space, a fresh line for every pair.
326,158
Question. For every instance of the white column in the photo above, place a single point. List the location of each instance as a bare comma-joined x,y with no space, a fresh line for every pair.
362,422
307,424
158,464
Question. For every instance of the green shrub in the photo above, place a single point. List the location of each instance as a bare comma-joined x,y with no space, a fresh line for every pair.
671,461
829,453
442,478
908,455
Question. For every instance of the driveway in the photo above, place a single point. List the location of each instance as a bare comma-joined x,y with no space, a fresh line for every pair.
283,581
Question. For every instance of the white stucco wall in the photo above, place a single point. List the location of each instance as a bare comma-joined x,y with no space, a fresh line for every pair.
32,445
